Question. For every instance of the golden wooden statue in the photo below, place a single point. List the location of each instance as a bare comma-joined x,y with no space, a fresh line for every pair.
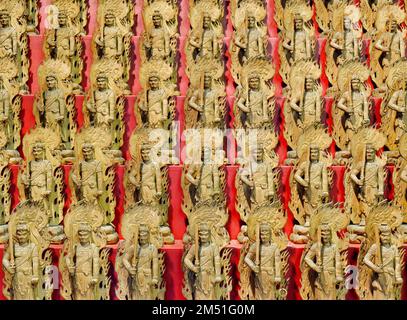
206,265
206,35
27,257
393,108
84,262
344,39
147,183
299,36
257,180
155,106
140,264
254,106
324,259
388,43
159,41
310,180
63,36
93,178
249,41
351,111
328,14
205,105
105,103
14,41
54,107
381,257
369,12
364,181
263,262
112,40
304,106
42,178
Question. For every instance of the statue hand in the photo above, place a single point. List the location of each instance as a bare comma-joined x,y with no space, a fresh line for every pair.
339,279
378,269
277,279
94,281
218,279
99,192
34,280
46,193
133,271
59,118
318,269
154,282
399,280
256,269
71,270
195,269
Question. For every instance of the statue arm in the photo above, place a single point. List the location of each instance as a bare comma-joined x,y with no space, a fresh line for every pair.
334,42
365,108
287,44
49,176
298,177
190,177
342,104
393,102
6,261
119,44
15,43
193,105
309,258
158,180
325,184
249,257
35,261
368,258
217,111
112,104
338,265
354,176
239,43
216,180
95,264
216,257
270,181
294,105
277,263
188,260
245,177
142,105
403,175
241,105
193,41
99,177
165,108
397,265
308,46
155,264
318,107
127,258
379,46
71,45
402,48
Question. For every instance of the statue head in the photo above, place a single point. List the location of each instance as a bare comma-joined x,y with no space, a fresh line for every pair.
355,84
254,81
109,19
157,19
38,151
251,20
22,233
4,18
259,152
51,81
326,233
145,151
84,233
370,152
206,21
143,234
314,153
298,22
265,233
102,81
207,80
62,19
309,83
392,25
204,233
154,81
347,23
385,233
88,151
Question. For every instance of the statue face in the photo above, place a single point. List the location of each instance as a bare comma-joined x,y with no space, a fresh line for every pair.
101,83
298,24
392,26
4,20
87,152
154,83
309,84
22,236
51,83
204,235
251,22
254,83
314,154
370,153
38,151
385,236
206,22
265,234
347,24
326,234
157,21
109,20
207,81
62,20
84,236
143,235
259,153
145,154
355,84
